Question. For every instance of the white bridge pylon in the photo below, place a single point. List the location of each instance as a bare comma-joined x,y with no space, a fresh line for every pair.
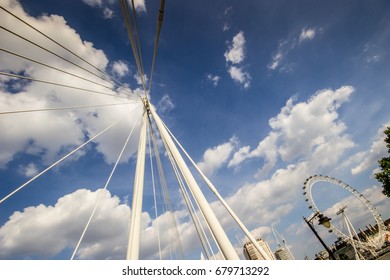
222,241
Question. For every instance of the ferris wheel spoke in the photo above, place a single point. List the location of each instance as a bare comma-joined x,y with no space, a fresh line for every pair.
369,245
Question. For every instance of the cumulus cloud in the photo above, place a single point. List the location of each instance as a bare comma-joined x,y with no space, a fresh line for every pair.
28,170
165,104
234,56
294,149
240,76
267,149
51,134
294,136
120,68
295,122
358,213
293,142
377,150
235,53
214,158
45,231
54,228
300,147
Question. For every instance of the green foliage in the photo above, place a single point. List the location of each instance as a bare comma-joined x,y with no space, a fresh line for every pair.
384,164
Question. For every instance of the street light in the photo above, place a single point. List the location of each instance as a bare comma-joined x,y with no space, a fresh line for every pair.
325,221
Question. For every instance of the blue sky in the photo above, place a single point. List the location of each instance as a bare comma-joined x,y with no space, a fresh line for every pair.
262,94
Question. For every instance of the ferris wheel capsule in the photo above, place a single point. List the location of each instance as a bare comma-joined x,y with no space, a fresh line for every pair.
375,243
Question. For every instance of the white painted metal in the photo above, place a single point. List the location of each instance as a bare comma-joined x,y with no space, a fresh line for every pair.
136,209
372,245
350,231
227,207
224,243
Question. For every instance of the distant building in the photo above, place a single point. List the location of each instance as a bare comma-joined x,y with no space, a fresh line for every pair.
282,253
251,253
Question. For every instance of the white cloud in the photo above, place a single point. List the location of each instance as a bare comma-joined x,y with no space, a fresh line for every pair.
278,60
120,68
239,156
108,13
165,104
307,34
235,53
377,150
270,199
45,231
55,229
267,149
284,47
305,148
225,27
228,10
52,134
137,77
214,79
294,137
295,122
234,56
28,170
140,5
214,158
372,52
105,5
93,3
240,76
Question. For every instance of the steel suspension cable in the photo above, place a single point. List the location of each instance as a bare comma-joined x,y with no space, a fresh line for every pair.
165,187
53,53
63,158
60,85
204,219
63,108
191,209
57,69
154,190
62,46
220,198
104,190
160,18
126,15
137,37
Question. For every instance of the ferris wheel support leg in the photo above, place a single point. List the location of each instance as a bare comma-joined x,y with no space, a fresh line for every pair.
224,243
136,208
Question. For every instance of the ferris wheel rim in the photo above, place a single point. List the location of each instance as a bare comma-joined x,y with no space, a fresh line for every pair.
308,184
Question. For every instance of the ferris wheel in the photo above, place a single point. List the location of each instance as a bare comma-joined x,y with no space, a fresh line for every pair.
371,244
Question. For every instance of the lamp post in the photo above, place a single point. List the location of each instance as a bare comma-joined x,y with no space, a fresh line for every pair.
325,221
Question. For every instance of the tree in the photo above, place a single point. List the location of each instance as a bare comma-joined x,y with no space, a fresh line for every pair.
384,163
